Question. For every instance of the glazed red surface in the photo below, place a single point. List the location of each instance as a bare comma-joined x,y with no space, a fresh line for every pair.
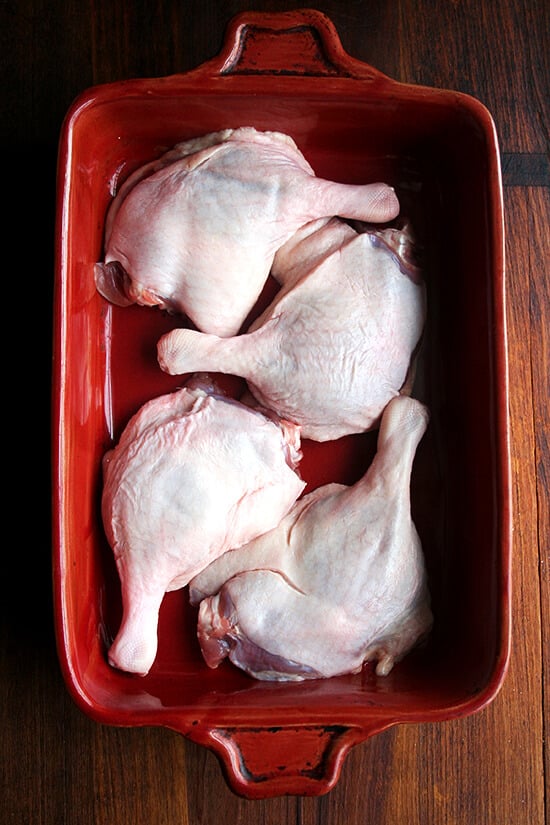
288,72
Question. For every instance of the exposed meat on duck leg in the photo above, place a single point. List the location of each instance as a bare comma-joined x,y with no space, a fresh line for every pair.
337,342
340,582
196,231
193,475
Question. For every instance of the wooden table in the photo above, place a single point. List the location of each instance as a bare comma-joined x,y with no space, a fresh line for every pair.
57,765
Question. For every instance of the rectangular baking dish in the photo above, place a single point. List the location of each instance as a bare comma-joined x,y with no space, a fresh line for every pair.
288,72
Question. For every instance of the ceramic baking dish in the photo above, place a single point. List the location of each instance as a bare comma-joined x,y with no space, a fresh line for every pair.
289,72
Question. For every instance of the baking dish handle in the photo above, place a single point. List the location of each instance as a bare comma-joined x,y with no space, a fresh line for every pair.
265,762
303,43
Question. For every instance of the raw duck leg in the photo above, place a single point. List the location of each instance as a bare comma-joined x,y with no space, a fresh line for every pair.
339,339
193,475
340,582
196,231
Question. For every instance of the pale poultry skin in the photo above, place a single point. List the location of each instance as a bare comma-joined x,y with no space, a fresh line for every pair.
193,475
339,582
196,231
339,340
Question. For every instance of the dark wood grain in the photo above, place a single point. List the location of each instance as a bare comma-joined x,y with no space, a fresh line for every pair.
57,766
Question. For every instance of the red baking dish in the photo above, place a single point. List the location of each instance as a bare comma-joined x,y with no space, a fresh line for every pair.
289,72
